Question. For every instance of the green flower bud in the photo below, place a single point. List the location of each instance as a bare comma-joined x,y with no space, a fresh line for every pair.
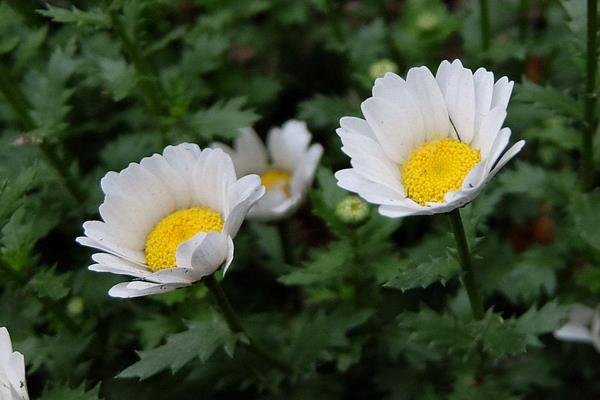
427,21
379,68
75,306
352,210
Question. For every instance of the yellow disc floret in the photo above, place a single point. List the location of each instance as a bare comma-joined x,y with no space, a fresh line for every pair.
276,179
176,228
436,168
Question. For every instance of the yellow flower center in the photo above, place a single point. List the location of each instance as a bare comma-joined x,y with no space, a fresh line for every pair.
176,228
276,179
436,168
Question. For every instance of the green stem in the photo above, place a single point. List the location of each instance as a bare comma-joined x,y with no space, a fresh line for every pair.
590,116
151,89
464,255
235,325
523,20
484,23
20,105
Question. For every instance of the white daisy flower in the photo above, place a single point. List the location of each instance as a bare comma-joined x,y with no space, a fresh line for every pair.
13,385
169,220
287,168
583,326
427,144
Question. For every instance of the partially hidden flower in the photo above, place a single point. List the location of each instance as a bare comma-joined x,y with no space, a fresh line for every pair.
169,220
286,166
13,385
583,326
427,144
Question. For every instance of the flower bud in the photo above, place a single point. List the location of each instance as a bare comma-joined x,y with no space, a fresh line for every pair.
352,210
379,68
75,306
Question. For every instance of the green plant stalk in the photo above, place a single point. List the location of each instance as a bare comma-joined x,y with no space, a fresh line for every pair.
20,105
464,256
591,97
484,24
149,85
235,325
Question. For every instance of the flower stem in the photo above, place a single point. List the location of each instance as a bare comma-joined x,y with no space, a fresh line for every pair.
235,325
484,24
464,256
20,105
591,97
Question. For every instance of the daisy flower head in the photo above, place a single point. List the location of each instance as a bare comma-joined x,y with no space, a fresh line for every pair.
427,144
286,166
169,220
583,326
13,385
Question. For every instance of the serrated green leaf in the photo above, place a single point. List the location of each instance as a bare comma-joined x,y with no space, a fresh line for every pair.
548,99
325,111
222,120
95,17
312,337
119,76
425,274
449,335
199,341
536,321
585,212
49,284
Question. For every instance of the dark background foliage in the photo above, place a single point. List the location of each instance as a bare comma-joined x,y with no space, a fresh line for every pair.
374,312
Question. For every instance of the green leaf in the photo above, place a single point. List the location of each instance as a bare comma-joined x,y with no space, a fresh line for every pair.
425,274
49,284
95,17
312,337
548,99
532,275
325,111
66,393
200,341
449,335
536,321
222,120
585,212
119,76
325,266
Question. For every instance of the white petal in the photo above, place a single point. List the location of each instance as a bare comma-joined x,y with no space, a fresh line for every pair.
288,143
230,251
265,208
358,126
242,195
502,90
429,100
506,157
460,100
171,180
395,128
5,344
500,143
484,90
205,252
491,124
572,332
174,276
370,191
213,174
99,236
304,174
581,314
116,265
251,154
141,288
